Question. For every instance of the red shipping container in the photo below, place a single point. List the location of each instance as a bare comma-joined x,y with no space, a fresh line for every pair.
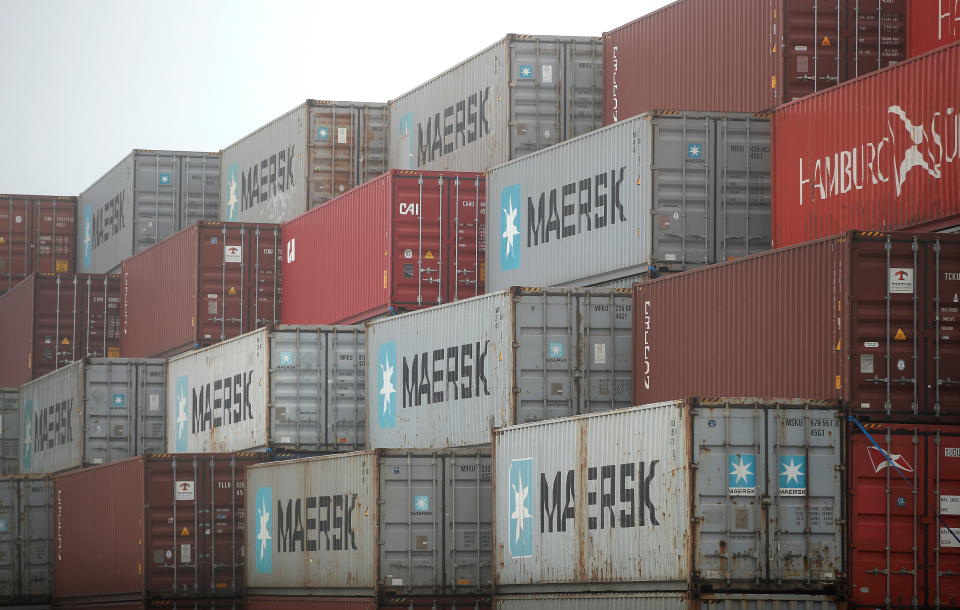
159,604
870,319
933,24
745,56
312,602
209,282
904,516
403,241
48,320
879,153
37,235
159,526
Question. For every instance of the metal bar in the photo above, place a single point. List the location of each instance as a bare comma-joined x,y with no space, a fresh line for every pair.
915,405
456,240
223,284
420,243
440,247
887,406
936,335
212,527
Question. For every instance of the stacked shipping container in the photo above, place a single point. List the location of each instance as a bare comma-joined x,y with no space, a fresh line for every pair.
932,24
26,516
37,235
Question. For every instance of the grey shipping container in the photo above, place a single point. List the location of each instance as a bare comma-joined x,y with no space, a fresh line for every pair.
149,195
665,190
9,431
93,411
700,495
447,375
288,388
519,95
306,157
664,601
26,516
363,523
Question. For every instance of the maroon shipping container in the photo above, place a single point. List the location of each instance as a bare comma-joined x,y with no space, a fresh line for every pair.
161,604
209,282
933,24
403,241
745,56
904,515
49,320
267,602
871,319
37,235
879,153
152,527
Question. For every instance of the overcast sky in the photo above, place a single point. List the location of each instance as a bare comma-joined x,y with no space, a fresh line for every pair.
85,81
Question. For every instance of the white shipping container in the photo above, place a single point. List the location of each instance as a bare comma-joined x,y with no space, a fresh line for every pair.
447,375
735,494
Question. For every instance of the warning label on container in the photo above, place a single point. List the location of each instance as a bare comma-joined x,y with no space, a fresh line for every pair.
949,505
901,280
183,490
60,265
232,254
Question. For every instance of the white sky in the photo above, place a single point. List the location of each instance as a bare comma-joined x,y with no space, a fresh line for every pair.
85,81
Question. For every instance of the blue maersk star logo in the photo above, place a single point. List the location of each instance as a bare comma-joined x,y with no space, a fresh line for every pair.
233,178
286,358
27,435
387,374
164,179
119,400
695,151
421,503
793,475
405,129
87,236
525,71
520,536
264,547
182,397
510,225
323,134
742,474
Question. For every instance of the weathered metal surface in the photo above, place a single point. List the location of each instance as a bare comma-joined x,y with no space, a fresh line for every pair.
670,600
26,511
37,235
9,431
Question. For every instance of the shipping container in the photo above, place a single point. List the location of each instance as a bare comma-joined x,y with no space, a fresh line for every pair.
519,95
662,191
669,600
9,431
93,411
285,388
867,318
445,376
313,602
904,515
309,155
745,56
704,503
26,512
150,527
145,198
933,24
207,283
37,235
177,603
403,241
877,154
372,523
51,320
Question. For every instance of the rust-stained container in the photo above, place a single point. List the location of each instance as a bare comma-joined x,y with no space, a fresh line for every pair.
665,600
151,527
904,515
313,602
50,320
880,153
26,508
207,283
932,24
867,318
403,241
159,604
745,56
37,235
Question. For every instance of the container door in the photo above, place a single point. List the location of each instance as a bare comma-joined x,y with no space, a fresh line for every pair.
334,147
583,87
731,494
262,301
176,491
59,322
15,231
150,407
198,197
537,89
875,36
35,519
372,159
9,431
603,352
222,520
811,46
943,491
465,258
419,233
346,399
941,349
224,259
805,485
110,406
298,386
468,510
743,188
156,188
53,227
411,522
684,153
100,329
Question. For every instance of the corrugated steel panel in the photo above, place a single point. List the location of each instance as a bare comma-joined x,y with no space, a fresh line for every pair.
146,197
860,317
26,511
159,604
37,235
876,154
92,412
444,376
904,515
666,505
311,602
933,24
207,283
52,320
9,431
306,157
401,523
175,524
405,240
286,388
746,56
670,191
665,601
517,96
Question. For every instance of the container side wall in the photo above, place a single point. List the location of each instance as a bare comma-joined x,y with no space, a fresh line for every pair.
37,235
9,431
468,504
932,24
52,417
26,507
17,307
105,220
